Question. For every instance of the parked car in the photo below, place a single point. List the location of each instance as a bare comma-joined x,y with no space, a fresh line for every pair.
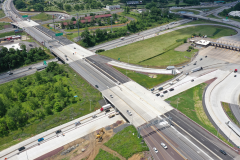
165,91
58,131
155,149
164,145
40,139
22,148
158,94
160,88
111,96
152,89
96,86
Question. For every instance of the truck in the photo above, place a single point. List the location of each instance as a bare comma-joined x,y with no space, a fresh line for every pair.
111,115
170,68
196,69
107,106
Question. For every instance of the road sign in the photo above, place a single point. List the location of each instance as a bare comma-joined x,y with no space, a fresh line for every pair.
25,16
226,17
118,58
50,27
44,63
58,34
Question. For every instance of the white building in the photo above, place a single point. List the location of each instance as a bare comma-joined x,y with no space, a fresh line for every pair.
113,7
14,46
234,13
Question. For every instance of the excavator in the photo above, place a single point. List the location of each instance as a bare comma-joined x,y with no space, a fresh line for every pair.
99,135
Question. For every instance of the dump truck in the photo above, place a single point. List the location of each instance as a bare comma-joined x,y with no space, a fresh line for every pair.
107,106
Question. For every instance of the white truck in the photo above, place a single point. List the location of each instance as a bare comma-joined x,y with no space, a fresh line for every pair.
105,107
196,69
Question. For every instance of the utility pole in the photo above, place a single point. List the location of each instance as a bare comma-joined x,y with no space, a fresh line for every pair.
53,23
78,26
111,24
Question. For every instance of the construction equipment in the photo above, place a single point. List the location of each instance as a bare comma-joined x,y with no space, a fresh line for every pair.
99,135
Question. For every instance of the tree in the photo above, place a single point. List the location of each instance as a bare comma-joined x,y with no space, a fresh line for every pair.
88,39
20,4
177,2
126,9
67,7
38,7
57,107
73,19
77,7
3,108
82,7
38,76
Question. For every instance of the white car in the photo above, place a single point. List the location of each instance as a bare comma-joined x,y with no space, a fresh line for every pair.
171,83
155,149
164,145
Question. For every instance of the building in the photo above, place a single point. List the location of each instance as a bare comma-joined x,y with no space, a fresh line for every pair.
203,43
14,46
234,13
113,7
133,2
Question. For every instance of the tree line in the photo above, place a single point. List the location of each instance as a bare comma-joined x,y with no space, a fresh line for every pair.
33,97
10,59
226,11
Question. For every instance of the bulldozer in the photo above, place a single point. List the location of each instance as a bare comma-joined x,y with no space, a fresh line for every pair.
99,135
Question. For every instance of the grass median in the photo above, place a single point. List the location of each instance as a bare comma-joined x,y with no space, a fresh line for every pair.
42,16
228,111
144,79
190,103
126,142
159,51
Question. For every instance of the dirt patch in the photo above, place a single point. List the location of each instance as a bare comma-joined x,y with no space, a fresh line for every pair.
152,75
210,81
182,47
88,147
146,155
5,19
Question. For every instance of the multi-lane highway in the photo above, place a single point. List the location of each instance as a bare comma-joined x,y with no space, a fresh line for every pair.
123,93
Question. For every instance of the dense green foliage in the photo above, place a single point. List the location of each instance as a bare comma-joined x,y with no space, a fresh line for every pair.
15,58
77,86
20,103
37,5
103,155
90,40
127,144
144,79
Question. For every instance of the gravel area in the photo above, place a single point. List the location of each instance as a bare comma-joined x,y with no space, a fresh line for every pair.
118,129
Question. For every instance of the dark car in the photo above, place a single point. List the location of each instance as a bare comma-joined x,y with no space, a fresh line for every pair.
96,86
158,94
22,148
10,73
171,89
205,56
223,152
165,91
152,89
192,80
200,59
40,139
195,63
235,75
30,45
108,110
58,131
160,88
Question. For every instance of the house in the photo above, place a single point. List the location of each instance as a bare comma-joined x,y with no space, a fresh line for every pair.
113,7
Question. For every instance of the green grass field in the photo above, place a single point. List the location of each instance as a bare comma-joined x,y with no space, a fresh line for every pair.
229,113
11,33
42,17
203,21
2,14
190,103
2,24
79,87
186,10
207,8
125,143
103,155
159,51
143,79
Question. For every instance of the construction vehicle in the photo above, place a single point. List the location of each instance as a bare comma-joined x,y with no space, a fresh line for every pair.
99,135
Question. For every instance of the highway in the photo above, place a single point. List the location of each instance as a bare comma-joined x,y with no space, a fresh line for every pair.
125,96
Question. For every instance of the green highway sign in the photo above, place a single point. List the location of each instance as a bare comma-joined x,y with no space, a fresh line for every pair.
118,58
25,16
44,63
58,34
50,27
226,17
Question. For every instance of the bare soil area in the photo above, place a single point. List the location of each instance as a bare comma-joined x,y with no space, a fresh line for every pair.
5,19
